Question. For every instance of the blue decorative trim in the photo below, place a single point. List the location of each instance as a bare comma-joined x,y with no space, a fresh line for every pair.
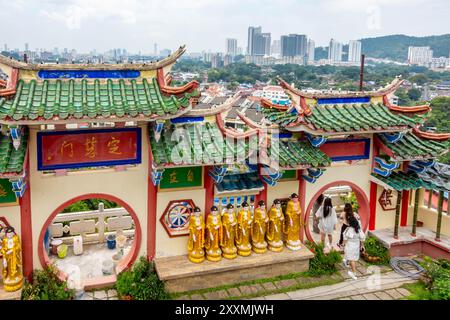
219,170
381,172
187,119
316,141
393,137
137,160
315,173
216,178
269,181
385,165
343,100
417,169
89,74
309,178
282,135
427,164
366,154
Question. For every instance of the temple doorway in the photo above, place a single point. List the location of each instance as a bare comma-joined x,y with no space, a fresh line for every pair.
90,239
340,193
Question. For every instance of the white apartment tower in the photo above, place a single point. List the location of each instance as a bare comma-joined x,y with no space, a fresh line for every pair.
310,49
354,51
335,51
231,47
419,55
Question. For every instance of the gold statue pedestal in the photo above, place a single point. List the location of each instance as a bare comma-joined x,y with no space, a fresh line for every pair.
11,285
229,254
214,255
276,246
244,251
294,245
196,258
260,247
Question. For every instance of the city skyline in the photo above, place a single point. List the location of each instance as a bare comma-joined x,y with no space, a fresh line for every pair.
137,25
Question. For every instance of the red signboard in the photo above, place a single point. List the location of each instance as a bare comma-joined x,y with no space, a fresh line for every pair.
351,149
88,148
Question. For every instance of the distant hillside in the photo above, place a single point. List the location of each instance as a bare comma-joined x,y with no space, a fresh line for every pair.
395,47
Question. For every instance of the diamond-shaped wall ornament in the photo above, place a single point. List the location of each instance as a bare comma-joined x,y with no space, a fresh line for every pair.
176,216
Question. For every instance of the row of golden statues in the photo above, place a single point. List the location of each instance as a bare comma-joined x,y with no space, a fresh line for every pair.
230,235
11,252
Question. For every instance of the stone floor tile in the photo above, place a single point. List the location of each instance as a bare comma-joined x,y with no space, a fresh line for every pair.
285,283
234,292
403,292
394,294
268,286
370,296
358,297
100,295
112,293
278,296
197,297
216,295
346,298
383,295
250,289
113,298
185,297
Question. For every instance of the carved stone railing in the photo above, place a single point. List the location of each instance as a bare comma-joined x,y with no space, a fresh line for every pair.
93,226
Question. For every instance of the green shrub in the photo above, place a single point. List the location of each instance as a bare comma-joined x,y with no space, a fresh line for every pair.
375,248
46,286
141,282
437,273
322,263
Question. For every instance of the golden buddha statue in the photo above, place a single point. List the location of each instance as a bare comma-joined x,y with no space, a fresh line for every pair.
259,228
213,235
292,223
229,224
12,261
275,227
196,237
244,229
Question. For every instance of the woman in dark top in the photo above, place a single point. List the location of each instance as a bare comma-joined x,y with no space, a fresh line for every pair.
316,207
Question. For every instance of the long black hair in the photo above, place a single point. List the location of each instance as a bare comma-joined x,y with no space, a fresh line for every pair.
319,200
327,207
348,210
353,222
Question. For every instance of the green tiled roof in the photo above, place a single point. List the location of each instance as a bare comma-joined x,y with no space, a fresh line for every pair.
12,160
206,150
404,181
63,99
348,118
295,153
412,147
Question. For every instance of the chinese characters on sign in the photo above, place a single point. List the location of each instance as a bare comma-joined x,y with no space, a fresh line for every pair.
7,196
388,200
88,148
182,178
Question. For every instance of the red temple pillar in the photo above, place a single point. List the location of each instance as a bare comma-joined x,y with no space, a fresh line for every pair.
405,207
151,209
373,205
26,224
302,198
209,190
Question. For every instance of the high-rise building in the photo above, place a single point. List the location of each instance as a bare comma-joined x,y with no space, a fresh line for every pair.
419,55
354,51
258,42
231,46
311,49
293,45
27,48
276,47
251,34
335,51
155,49
216,60
6,47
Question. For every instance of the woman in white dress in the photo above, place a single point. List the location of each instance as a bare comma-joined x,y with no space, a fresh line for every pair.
353,243
327,221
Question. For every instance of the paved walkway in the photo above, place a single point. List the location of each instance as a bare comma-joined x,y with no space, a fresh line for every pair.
371,287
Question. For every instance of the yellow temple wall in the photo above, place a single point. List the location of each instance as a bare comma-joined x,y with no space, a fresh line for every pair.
12,214
356,174
429,219
165,245
283,189
48,191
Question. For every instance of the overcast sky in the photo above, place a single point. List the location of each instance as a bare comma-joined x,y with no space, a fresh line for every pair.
205,24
